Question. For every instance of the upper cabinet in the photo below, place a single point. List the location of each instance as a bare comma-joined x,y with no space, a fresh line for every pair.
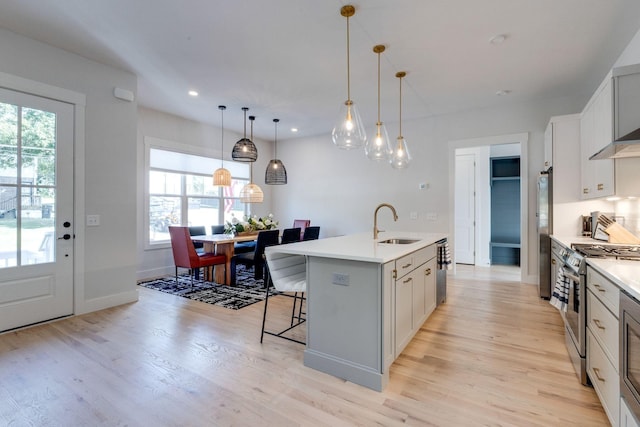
561,143
610,114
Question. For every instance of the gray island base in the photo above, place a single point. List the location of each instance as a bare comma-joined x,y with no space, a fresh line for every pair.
365,301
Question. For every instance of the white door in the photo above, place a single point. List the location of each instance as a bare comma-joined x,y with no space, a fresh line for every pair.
465,207
36,209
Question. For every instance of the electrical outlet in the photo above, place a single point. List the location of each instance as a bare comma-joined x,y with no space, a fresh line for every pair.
413,215
431,216
340,279
93,220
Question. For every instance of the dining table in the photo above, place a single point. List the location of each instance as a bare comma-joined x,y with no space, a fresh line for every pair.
221,244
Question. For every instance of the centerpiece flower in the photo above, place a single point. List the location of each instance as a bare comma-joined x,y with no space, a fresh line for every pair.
249,224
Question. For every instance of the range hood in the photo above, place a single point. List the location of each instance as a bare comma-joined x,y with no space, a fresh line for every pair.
626,146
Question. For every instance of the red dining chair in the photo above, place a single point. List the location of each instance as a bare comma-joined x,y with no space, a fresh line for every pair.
185,255
302,224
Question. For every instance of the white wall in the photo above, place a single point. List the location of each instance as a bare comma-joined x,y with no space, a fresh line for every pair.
197,138
105,178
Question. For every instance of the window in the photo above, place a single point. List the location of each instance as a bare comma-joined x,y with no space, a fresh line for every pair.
181,192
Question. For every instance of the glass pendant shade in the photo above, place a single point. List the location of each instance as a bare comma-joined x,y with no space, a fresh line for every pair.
244,150
379,148
276,173
401,157
251,193
349,132
221,176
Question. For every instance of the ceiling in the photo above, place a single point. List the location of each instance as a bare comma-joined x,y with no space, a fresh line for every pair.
286,59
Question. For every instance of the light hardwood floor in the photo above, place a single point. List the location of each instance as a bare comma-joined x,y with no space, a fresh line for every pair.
492,355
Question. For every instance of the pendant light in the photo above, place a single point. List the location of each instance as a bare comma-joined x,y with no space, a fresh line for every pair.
349,132
378,148
245,150
400,157
276,173
221,176
251,193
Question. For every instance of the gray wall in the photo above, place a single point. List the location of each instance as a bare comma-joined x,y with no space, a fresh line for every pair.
106,259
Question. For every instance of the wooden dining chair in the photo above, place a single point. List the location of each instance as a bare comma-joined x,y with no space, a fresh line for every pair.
185,255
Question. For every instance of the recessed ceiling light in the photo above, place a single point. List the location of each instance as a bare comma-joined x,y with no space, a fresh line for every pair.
193,93
500,38
503,92
294,129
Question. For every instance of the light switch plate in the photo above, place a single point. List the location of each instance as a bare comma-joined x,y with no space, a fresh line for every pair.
413,215
340,279
93,220
431,216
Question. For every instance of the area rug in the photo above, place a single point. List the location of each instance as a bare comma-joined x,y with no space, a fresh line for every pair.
246,292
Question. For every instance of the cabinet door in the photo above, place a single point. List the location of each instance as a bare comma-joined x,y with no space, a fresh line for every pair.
548,147
586,138
603,135
388,313
418,297
429,275
404,312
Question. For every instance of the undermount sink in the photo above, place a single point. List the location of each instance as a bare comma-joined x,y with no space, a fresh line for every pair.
399,241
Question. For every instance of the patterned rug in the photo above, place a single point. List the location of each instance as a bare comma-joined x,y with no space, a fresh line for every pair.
246,292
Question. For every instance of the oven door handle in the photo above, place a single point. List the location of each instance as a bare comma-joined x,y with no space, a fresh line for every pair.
571,276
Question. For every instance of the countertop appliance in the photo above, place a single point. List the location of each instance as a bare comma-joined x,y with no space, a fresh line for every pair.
544,217
630,352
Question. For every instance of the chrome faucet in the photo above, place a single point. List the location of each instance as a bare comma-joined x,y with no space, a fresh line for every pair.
375,218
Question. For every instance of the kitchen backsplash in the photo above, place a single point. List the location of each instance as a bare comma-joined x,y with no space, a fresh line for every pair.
628,214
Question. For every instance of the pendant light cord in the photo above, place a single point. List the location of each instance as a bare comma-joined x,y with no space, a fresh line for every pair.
400,125
222,108
348,65
378,87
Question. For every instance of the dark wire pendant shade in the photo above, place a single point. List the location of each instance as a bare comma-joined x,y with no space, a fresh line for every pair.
276,173
244,150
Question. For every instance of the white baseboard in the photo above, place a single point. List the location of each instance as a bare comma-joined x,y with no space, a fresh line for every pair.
107,302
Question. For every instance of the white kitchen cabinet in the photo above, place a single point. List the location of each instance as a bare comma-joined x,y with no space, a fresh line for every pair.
596,130
388,313
415,294
612,112
603,341
548,147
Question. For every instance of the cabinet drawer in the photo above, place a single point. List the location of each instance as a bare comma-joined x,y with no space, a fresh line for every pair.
604,327
415,259
605,379
606,291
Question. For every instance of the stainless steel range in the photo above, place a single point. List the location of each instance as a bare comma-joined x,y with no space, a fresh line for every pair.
574,268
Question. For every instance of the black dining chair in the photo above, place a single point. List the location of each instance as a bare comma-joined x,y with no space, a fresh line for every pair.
290,235
217,229
198,230
311,233
255,258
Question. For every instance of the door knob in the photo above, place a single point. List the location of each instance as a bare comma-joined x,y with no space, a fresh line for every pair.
65,237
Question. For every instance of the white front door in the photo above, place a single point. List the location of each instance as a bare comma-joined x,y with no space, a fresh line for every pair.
465,207
36,209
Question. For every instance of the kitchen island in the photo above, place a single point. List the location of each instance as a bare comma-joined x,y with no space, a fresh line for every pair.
365,300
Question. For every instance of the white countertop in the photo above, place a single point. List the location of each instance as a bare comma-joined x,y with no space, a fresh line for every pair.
625,274
568,240
361,246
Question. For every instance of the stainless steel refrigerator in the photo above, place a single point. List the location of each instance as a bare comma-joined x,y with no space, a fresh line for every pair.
544,217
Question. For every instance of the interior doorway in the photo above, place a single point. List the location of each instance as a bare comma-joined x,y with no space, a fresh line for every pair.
480,227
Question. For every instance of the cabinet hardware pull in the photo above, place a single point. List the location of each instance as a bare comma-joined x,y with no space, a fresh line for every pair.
597,372
600,187
427,272
599,288
598,324
585,191
395,273
407,265
553,261
407,280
